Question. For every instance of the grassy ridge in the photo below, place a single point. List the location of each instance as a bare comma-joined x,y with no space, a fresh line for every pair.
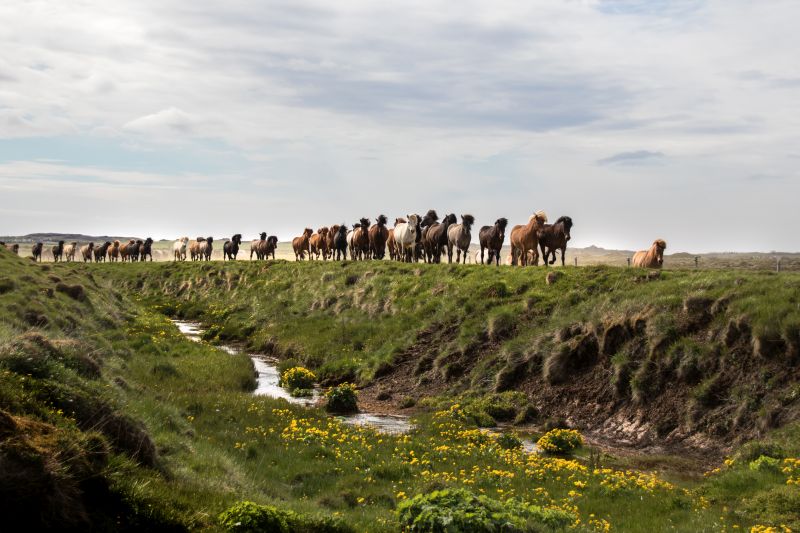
99,338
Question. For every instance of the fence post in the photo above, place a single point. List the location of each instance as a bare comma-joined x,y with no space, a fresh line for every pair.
576,261
696,261
777,264
629,261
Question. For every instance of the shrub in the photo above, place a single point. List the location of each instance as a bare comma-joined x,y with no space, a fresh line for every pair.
765,463
249,517
298,378
342,399
460,510
509,441
560,441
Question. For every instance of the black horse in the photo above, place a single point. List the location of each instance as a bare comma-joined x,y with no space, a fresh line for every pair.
554,237
146,249
492,238
340,242
36,251
100,252
435,238
58,252
231,248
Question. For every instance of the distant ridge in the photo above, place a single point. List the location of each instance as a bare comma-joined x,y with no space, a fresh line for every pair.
55,237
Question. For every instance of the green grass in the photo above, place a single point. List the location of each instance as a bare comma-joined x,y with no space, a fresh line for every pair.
217,444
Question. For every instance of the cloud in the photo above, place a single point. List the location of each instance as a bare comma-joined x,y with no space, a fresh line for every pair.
631,158
167,121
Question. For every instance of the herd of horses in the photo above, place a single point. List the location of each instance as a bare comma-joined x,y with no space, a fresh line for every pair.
413,238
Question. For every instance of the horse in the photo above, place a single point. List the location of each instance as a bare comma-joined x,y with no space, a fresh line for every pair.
258,246
194,249
360,241
179,249
69,251
13,248
87,252
135,249
206,248
58,251
340,242
300,244
378,235
425,222
405,236
36,251
315,243
435,238
114,252
652,258
491,238
390,244
231,248
554,237
101,251
524,238
460,237
272,244
146,250
330,238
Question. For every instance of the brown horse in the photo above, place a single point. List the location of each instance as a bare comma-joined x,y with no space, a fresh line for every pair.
435,239
315,245
554,237
36,251
425,223
652,258
87,252
58,251
378,235
194,249
300,244
524,238
330,237
323,247
491,238
360,249
101,251
114,252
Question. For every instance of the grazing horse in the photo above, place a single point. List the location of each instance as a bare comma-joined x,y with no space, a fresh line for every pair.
87,252
491,238
340,242
360,241
554,237
435,238
378,235
405,236
36,251
146,250
652,258
58,251
101,251
460,237
114,252
179,248
231,248
300,244
315,243
205,248
524,238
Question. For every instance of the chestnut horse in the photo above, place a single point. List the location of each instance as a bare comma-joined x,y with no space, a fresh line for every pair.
424,223
378,235
300,244
524,238
554,237
317,244
360,241
114,252
652,258
491,238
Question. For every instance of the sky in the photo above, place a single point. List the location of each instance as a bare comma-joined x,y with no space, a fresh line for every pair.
639,119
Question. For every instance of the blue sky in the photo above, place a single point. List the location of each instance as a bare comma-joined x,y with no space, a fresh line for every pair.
639,119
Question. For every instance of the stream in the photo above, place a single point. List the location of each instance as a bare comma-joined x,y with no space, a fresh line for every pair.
267,385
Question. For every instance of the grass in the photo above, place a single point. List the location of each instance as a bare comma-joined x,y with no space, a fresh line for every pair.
216,444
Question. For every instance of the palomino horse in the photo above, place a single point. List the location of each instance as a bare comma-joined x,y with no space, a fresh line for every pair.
69,251
435,238
524,238
179,248
300,244
378,235
460,236
652,258
230,249
405,236
492,238
340,242
554,237
87,252
194,249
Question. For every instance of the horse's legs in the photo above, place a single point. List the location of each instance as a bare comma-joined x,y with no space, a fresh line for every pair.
563,252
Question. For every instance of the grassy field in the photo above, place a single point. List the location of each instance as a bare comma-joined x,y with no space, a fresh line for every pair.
114,419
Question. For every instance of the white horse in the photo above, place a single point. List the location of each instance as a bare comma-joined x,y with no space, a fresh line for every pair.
69,251
405,237
179,248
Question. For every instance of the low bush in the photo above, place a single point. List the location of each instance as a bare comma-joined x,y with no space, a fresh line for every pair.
342,399
298,378
509,441
249,517
560,441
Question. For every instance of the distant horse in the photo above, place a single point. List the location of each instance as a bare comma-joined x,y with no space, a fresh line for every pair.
391,244
330,238
206,248
231,248
272,244
146,250
361,240
100,252
114,252
554,237
58,251
426,222
87,252
435,239
36,251
179,249
378,235
13,248
70,250
194,249
259,246
405,236
460,237
135,249
491,238
315,243
300,244
524,238
340,242
652,258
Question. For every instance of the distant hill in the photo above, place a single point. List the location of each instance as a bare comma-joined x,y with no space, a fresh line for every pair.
55,237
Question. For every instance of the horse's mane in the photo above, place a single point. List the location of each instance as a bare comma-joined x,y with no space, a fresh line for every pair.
502,222
660,243
539,214
468,220
273,239
381,221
